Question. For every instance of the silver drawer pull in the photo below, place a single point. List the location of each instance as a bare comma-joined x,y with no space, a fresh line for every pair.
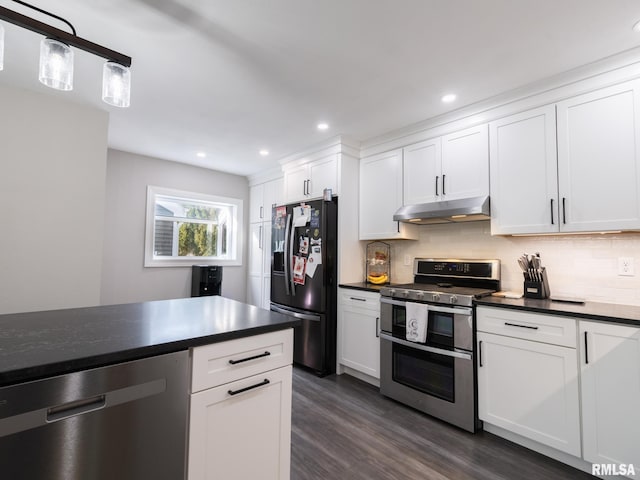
234,362
530,327
359,299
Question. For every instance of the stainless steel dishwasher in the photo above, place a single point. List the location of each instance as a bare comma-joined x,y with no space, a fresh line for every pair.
127,422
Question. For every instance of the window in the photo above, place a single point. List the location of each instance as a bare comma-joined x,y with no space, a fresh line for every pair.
184,228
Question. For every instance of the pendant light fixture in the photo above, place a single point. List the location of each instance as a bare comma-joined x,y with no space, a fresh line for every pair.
56,64
56,56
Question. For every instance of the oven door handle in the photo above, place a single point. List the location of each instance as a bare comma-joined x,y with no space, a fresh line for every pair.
431,308
424,348
392,302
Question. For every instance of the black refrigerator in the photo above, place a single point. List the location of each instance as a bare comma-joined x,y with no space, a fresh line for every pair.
304,238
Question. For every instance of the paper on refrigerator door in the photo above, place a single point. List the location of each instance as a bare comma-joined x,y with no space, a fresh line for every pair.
301,215
315,259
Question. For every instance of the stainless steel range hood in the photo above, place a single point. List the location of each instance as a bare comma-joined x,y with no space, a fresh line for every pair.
446,211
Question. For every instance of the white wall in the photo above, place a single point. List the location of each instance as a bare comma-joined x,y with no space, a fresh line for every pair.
124,278
52,168
583,266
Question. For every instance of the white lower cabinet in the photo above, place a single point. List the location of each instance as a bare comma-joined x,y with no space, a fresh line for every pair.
240,416
610,374
525,386
358,331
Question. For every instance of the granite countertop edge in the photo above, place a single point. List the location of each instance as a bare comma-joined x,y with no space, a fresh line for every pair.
592,311
363,286
32,350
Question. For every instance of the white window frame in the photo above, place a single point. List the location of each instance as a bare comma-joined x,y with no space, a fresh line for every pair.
234,246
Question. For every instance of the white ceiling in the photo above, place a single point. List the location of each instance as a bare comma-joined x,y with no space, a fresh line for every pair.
231,77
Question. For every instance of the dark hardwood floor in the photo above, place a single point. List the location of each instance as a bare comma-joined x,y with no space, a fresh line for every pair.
342,428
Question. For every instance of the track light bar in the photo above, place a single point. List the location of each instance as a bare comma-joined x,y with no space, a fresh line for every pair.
62,36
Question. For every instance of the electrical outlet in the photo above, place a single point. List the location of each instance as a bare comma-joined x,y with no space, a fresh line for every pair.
407,260
626,267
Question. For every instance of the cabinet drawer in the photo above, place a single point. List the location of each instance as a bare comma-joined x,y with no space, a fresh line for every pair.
359,299
529,326
226,362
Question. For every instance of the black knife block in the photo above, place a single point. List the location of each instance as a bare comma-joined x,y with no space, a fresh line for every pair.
537,289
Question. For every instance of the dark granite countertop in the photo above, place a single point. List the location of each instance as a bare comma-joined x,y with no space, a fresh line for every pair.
603,312
368,287
43,344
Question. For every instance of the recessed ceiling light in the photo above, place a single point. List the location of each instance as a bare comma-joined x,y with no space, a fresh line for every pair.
448,98
636,26
201,154
264,152
323,126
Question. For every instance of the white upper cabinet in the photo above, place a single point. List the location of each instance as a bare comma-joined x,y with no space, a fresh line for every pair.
465,163
381,196
524,179
598,152
447,168
423,172
262,198
584,178
256,205
308,181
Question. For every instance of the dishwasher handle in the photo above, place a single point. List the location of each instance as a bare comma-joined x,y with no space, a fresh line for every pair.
77,407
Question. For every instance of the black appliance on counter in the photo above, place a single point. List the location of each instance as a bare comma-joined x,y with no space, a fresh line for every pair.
206,280
438,375
303,278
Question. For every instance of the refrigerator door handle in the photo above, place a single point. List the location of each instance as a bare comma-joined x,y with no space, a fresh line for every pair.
287,264
292,235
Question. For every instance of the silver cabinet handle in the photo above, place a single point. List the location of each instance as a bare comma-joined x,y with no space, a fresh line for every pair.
358,299
377,327
261,245
261,211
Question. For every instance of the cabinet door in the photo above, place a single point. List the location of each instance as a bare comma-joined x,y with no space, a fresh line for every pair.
381,196
266,248
295,184
531,389
243,435
256,205
255,286
524,176
465,163
323,174
610,368
598,154
359,342
256,247
273,195
266,292
422,172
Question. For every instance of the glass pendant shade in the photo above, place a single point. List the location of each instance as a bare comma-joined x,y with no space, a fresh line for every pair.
116,84
1,47
56,64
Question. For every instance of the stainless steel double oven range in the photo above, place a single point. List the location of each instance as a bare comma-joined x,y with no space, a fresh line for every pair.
437,376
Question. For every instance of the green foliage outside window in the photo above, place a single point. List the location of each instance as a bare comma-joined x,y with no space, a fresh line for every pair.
198,239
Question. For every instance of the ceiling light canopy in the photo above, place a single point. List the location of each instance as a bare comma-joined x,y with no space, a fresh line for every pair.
323,126
201,155
448,98
56,56
264,152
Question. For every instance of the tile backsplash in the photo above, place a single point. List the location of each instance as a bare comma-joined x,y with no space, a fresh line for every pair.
584,266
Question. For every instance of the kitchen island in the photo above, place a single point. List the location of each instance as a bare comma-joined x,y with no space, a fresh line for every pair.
122,391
